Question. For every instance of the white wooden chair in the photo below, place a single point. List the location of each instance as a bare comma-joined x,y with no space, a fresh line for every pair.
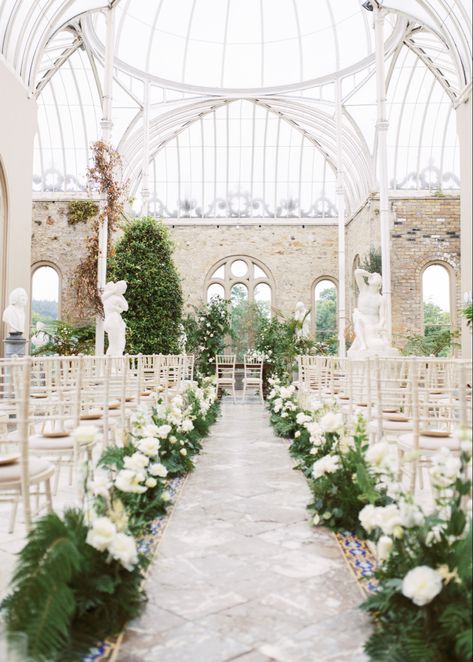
253,375
225,372
21,475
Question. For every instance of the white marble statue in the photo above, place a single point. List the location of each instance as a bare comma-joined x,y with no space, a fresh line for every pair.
114,304
15,313
369,319
302,315
40,338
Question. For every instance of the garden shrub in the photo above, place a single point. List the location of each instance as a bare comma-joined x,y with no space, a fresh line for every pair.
143,257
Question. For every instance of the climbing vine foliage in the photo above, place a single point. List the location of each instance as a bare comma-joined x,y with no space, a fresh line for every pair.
104,177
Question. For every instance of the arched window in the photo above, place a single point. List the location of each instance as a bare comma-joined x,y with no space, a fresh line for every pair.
241,279
45,294
436,299
325,310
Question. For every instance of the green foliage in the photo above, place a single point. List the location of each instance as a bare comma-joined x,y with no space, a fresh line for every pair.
326,319
79,211
143,257
67,339
468,314
66,595
438,339
247,320
373,262
206,333
279,340
43,310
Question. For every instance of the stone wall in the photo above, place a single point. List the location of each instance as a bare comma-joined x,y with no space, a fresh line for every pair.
57,243
296,256
424,230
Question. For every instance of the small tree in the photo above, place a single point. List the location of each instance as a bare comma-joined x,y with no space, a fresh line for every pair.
373,261
143,257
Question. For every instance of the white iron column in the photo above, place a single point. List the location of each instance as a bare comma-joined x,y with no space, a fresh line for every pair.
382,133
145,193
465,137
106,124
341,227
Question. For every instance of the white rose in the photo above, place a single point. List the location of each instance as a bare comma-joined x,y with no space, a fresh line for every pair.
326,465
151,482
302,418
158,470
331,423
384,548
297,434
376,454
183,452
123,549
136,462
284,414
166,496
422,585
130,481
187,425
149,446
369,518
163,431
101,485
411,515
150,430
85,434
390,520
101,533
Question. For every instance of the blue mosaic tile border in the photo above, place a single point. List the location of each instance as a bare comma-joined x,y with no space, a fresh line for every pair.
105,650
360,558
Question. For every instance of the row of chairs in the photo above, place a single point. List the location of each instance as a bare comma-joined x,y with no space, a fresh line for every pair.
225,369
415,403
43,400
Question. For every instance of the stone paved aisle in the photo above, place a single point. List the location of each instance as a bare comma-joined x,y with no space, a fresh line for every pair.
240,574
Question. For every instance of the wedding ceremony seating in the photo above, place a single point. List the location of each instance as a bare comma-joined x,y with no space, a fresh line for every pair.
253,375
225,372
417,404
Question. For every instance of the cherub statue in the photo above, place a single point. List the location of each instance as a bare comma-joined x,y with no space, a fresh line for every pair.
114,304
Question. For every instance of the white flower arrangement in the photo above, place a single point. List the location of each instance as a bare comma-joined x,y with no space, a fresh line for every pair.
326,465
422,585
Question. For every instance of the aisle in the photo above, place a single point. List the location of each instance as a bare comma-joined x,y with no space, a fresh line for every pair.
240,574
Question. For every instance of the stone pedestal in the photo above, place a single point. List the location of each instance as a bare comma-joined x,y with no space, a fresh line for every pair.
15,345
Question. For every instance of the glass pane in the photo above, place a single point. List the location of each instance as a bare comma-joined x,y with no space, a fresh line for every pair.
325,310
436,299
239,269
263,299
259,273
219,273
45,295
215,290
239,294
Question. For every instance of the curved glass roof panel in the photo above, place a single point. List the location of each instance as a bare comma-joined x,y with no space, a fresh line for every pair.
241,160
235,44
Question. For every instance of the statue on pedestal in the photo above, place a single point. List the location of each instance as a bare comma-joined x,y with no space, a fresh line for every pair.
15,313
369,320
302,316
14,316
114,304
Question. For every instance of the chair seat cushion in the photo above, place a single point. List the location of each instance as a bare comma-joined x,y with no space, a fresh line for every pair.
39,443
391,426
11,473
429,443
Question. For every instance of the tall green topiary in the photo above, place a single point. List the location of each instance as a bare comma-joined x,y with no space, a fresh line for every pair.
143,257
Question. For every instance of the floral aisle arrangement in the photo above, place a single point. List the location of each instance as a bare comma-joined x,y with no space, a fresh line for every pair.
334,458
79,578
422,604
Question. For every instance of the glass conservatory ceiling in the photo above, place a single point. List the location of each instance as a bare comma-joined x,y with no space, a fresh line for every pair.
228,44
290,53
